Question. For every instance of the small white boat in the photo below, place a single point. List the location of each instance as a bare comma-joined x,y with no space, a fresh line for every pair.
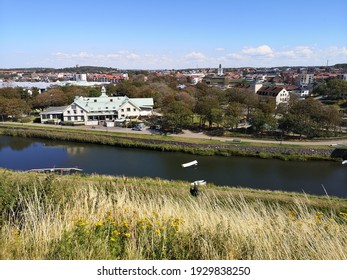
344,162
188,164
199,183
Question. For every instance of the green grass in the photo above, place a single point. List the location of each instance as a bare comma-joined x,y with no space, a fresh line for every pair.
104,217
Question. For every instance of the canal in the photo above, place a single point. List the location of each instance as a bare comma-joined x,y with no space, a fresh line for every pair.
314,177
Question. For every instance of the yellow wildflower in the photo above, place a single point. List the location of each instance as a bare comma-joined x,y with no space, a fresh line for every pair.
127,234
125,224
98,224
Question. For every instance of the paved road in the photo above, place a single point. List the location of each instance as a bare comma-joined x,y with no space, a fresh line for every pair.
200,135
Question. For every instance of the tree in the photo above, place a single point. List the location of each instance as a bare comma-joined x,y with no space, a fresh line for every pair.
337,89
126,89
333,89
248,99
204,108
233,115
217,115
14,108
9,92
176,116
310,117
262,121
52,97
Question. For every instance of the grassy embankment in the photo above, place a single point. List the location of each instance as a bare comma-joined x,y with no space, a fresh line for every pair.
104,217
163,143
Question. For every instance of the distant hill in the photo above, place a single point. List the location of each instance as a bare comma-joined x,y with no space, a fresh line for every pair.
341,65
88,69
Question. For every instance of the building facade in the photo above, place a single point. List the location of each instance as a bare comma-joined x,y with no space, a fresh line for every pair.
280,94
96,110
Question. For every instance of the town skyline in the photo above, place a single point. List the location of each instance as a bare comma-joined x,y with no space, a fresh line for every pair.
179,35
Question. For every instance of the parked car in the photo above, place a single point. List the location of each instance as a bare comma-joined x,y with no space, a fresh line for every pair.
138,127
155,127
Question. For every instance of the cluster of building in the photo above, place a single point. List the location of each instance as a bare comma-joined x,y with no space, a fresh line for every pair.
44,80
276,83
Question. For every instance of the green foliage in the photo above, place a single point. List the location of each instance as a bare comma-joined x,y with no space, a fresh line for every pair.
333,89
176,116
311,118
262,121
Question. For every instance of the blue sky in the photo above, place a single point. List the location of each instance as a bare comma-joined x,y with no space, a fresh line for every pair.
176,34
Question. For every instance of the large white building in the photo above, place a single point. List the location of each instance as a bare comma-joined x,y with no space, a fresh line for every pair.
94,110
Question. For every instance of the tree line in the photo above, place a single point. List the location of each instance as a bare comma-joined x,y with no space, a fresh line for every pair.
199,106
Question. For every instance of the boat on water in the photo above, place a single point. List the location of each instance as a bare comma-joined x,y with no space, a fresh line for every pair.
199,183
344,162
57,170
191,163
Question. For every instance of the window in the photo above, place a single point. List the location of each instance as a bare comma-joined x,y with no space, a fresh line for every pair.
68,112
122,110
75,112
134,109
69,118
106,108
95,100
128,109
111,100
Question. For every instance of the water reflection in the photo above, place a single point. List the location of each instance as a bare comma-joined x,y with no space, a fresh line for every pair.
308,177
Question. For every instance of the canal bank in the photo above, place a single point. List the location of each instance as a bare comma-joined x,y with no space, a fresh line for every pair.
309,177
171,144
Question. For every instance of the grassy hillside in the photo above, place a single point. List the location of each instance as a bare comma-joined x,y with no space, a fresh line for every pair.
104,217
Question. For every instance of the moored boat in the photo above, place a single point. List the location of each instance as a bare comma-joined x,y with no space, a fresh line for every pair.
199,183
191,163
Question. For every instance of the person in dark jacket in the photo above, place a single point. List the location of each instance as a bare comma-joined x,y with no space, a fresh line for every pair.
194,191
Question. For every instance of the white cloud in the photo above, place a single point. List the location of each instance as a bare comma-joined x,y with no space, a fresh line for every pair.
297,53
256,56
338,51
263,50
220,49
92,57
195,56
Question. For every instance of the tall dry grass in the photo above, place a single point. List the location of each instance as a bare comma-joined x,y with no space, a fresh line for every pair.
106,217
